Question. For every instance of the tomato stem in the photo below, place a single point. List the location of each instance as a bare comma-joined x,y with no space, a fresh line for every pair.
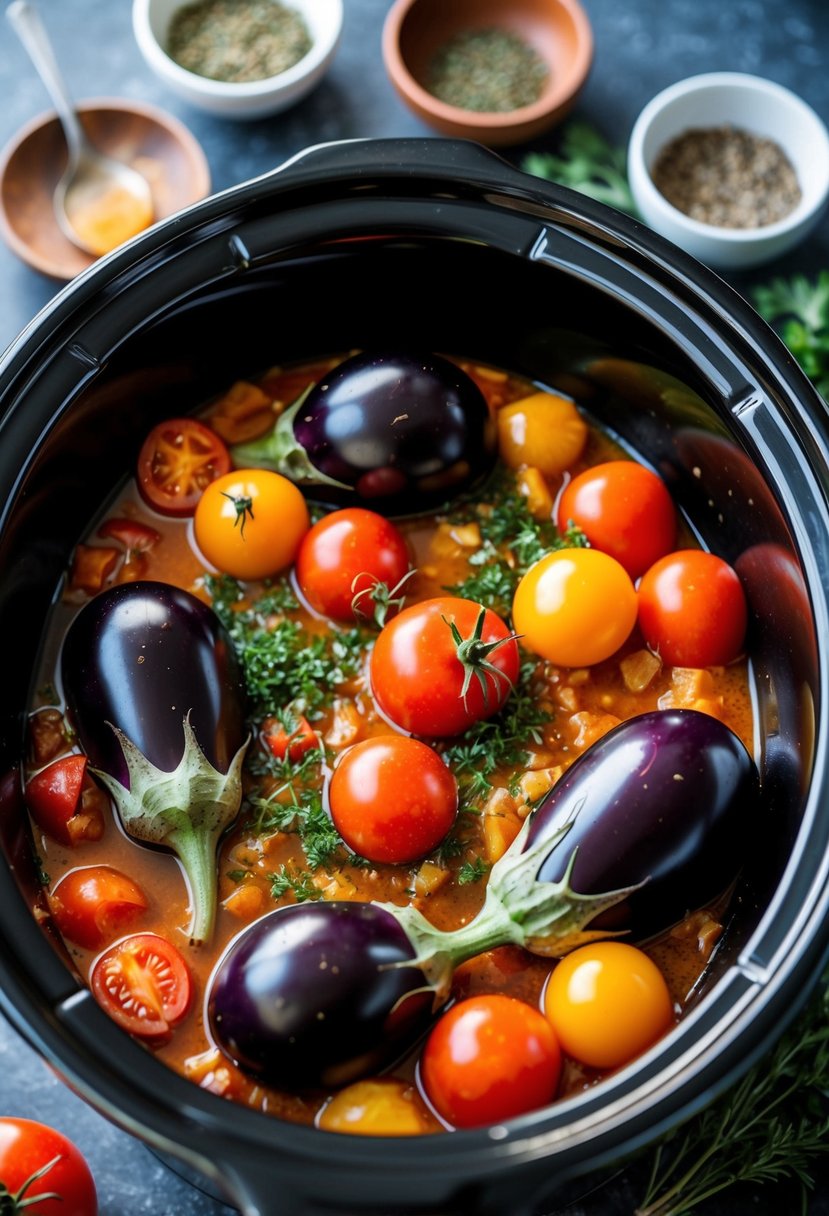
12,1204
243,507
473,654
384,597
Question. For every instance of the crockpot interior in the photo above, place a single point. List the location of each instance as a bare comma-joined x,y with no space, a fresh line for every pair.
505,272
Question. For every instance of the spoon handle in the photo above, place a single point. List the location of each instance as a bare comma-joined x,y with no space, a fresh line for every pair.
29,28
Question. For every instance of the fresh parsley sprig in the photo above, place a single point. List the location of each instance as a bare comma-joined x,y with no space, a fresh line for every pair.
799,309
588,163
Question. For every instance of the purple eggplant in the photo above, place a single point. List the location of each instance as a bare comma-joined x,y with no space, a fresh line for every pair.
651,820
314,995
665,801
402,432
154,691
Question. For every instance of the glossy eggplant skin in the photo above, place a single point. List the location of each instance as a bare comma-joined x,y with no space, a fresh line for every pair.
406,431
309,996
142,656
666,799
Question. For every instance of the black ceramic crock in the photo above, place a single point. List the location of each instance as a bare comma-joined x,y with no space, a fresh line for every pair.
443,245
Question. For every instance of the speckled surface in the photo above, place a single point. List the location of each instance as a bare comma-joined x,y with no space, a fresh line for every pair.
641,46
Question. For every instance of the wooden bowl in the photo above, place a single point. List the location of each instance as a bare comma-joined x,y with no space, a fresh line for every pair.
558,30
154,143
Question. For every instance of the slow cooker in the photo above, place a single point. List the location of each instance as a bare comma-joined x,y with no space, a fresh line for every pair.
444,245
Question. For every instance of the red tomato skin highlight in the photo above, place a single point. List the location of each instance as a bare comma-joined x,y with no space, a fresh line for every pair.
392,799
417,678
488,1059
692,610
624,509
346,553
88,904
54,793
26,1146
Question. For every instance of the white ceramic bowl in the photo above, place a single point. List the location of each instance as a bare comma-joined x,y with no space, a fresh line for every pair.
753,104
255,99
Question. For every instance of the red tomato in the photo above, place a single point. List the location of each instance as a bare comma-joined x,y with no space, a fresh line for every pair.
392,798
623,509
344,557
443,664
91,904
143,983
54,793
28,1148
133,535
490,1058
291,745
692,609
178,460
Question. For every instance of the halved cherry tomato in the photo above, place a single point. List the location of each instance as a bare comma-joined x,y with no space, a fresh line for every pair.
607,1002
623,509
178,460
92,904
53,795
250,523
144,985
490,1058
392,798
575,607
692,609
36,1160
380,1106
345,556
289,744
443,664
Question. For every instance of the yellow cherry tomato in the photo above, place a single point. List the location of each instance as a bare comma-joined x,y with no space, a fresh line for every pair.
249,523
575,607
384,1106
607,1002
542,430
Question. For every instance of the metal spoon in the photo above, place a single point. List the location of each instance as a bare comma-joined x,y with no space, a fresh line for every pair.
99,201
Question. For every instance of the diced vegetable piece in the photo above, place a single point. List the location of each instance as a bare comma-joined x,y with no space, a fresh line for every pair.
533,486
638,669
92,565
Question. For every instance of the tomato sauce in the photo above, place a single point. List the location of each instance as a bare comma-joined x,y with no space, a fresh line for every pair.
578,706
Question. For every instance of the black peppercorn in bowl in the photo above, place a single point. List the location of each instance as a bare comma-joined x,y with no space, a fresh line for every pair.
335,251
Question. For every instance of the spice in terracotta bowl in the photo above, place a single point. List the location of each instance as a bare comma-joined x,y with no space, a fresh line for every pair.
488,70
728,177
237,41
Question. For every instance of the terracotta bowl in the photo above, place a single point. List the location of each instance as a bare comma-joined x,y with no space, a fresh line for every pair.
153,142
558,30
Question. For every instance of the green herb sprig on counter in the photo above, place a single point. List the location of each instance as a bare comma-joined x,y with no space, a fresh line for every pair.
587,163
799,310
771,1127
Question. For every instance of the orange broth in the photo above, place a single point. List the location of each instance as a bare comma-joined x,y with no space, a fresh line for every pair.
583,704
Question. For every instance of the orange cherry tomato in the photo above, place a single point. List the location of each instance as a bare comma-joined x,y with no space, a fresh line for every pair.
344,557
381,1106
543,430
144,985
692,609
92,904
392,798
178,460
607,1002
623,509
37,1160
490,1058
575,607
250,523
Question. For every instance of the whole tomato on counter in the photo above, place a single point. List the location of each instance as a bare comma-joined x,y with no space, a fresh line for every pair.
37,1160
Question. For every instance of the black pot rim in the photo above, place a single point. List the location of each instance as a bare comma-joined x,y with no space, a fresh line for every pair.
750,1005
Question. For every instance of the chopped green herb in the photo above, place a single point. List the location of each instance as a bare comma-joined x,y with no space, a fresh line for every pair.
799,308
299,882
42,877
305,816
237,875
473,871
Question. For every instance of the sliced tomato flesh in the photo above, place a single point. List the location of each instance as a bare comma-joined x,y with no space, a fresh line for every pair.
291,745
178,460
133,535
143,983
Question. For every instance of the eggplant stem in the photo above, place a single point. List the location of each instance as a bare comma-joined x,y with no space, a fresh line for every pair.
280,451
